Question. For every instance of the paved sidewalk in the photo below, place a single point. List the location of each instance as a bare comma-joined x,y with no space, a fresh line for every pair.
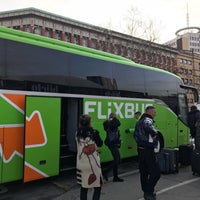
111,190
178,186
126,171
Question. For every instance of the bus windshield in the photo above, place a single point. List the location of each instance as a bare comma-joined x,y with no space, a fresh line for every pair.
183,108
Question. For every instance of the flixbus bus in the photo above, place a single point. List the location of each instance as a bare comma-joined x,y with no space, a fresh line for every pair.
45,85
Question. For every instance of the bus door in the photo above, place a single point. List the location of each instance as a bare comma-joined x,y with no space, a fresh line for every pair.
42,137
11,136
71,110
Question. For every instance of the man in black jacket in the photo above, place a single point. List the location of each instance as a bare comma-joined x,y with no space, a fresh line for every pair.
146,137
192,118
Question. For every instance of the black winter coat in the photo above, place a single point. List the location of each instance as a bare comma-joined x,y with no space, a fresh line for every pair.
113,126
192,118
144,130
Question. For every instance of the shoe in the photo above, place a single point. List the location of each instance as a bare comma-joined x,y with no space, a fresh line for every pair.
117,179
150,196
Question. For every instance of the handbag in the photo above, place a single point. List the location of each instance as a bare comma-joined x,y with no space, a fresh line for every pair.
89,149
112,137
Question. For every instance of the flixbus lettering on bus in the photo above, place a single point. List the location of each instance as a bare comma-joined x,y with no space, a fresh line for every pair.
101,109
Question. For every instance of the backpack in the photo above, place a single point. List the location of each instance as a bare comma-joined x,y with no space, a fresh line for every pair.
112,137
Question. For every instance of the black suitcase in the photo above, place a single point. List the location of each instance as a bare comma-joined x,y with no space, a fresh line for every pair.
168,160
185,152
163,160
195,162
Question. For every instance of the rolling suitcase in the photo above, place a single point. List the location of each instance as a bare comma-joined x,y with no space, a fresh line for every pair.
185,152
163,160
168,160
195,162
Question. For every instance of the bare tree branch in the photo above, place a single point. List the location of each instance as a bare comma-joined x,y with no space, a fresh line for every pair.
138,27
150,32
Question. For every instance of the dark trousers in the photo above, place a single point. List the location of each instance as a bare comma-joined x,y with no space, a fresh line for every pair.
116,160
149,169
96,194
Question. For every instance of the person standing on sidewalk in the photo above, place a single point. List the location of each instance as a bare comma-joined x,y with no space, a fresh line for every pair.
146,137
88,161
197,134
111,127
192,118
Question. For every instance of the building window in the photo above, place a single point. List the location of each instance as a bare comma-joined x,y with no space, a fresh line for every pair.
85,41
185,81
76,39
149,56
67,37
123,51
137,54
143,55
191,101
101,45
48,32
116,50
37,30
186,71
93,44
58,35
27,28
181,70
16,27
129,53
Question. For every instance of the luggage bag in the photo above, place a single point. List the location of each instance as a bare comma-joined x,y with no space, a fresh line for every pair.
168,160
195,162
185,152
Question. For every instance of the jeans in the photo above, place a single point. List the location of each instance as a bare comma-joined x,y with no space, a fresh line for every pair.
116,160
149,169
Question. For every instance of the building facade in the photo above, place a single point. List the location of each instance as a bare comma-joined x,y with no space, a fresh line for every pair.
188,41
188,68
140,51
50,25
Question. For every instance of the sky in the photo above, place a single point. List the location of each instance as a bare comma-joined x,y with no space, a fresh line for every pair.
167,16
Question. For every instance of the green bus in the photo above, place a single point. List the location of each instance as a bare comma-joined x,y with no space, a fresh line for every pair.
45,85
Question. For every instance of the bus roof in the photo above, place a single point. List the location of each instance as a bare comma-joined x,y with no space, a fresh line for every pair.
37,40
